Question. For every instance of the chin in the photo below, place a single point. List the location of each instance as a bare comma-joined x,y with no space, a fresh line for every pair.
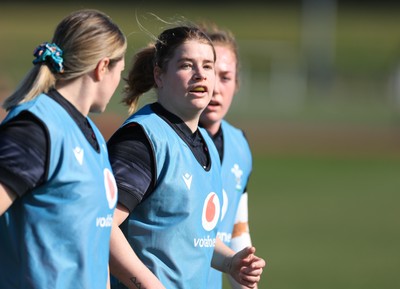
210,117
199,106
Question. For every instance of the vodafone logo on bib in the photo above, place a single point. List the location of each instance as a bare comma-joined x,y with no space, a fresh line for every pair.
211,211
111,188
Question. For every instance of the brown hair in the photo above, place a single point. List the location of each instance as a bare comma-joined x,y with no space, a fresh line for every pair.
223,37
141,76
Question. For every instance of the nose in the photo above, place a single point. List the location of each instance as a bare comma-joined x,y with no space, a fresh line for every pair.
200,75
216,87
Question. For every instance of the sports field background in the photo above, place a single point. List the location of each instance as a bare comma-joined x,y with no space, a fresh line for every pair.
319,102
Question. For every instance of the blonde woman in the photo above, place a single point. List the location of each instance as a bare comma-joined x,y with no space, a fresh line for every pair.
57,190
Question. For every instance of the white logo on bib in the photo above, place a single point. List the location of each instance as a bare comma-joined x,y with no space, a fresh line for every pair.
78,152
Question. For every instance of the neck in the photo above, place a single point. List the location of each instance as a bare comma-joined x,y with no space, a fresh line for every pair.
192,124
190,118
77,92
212,128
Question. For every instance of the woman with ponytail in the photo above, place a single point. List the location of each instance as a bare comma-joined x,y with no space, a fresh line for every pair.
57,190
168,173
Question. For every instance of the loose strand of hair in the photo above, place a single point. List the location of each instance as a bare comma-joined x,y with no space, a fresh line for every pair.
39,79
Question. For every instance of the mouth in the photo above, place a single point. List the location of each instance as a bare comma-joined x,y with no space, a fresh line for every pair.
213,103
199,89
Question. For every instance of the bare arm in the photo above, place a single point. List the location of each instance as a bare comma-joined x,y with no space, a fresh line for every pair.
108,279
243,266
124,263
7,197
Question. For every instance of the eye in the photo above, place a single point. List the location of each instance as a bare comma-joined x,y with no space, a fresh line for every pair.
208,66
186,65
225,77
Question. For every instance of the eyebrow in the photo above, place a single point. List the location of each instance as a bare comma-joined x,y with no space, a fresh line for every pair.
193,60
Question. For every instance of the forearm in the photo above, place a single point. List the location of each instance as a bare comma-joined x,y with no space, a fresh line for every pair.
240,235
222,257
127,267
7,197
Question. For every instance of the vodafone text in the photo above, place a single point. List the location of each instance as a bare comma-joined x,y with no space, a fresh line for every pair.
104,221
204,242
225,237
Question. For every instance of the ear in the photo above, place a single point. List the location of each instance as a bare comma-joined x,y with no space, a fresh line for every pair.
157,76
101,68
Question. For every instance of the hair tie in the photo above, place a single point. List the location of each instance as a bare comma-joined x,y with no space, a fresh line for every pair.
50,54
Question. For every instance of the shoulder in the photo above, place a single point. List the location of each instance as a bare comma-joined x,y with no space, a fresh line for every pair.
229,129
24,144
128,133
25,123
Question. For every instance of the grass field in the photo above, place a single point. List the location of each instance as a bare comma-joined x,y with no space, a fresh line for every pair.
325,222
324,189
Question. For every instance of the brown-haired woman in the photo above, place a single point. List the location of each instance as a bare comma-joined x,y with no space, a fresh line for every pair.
168,173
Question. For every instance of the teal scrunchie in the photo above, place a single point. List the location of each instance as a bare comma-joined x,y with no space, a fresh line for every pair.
51,54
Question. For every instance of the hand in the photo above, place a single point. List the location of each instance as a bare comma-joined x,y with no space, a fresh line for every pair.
246,268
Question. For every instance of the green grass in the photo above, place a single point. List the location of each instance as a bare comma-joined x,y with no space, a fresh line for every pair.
326,222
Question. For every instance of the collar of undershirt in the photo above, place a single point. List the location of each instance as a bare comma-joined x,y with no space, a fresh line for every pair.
218,140
194,140
177,124
77,116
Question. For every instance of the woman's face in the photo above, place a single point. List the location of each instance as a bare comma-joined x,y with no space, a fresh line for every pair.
186,86
225,87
